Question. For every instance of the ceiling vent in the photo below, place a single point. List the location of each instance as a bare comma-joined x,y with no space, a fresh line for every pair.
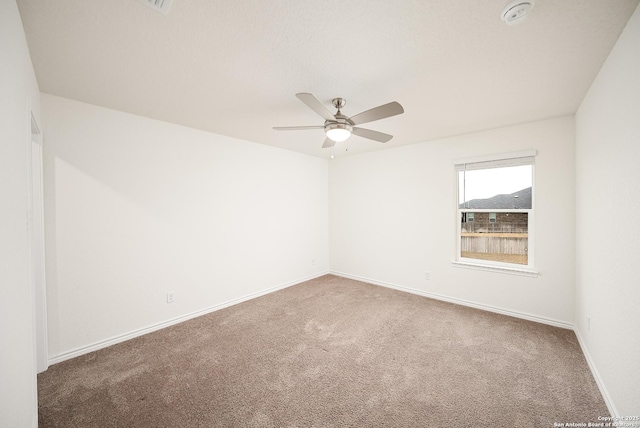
159,5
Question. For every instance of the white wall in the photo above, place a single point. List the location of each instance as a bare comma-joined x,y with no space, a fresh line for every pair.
136,208
608,232
392,218
19,95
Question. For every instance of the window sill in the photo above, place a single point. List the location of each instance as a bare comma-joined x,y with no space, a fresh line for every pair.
498,269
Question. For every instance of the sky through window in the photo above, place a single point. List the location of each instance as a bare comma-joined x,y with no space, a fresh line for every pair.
486,183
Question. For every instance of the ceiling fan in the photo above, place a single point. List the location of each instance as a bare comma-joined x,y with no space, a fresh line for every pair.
339,127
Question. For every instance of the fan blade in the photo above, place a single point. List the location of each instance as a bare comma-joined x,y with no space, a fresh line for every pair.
328,142
377,113
314,104
372,135
297,128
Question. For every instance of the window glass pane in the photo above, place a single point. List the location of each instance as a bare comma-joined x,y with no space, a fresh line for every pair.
496,188
504,240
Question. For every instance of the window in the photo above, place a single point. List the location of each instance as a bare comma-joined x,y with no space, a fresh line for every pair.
495,211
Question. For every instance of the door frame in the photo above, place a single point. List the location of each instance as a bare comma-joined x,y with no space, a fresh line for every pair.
35,225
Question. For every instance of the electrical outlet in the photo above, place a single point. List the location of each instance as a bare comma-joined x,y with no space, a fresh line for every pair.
313,262
588,323
427,276
171,297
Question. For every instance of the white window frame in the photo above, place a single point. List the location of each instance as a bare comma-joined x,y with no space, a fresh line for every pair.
526,157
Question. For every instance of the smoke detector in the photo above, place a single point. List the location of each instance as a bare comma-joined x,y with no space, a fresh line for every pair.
159,5
516,11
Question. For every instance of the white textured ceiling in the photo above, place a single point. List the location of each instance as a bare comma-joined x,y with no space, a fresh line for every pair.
234,67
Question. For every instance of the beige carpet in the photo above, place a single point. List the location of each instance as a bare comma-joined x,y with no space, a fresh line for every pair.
331,352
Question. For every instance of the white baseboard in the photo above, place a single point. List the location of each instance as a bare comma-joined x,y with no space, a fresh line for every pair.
158,326
529,317
603,390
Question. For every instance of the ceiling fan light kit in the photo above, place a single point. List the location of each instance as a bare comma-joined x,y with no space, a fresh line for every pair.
338,127
338,132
